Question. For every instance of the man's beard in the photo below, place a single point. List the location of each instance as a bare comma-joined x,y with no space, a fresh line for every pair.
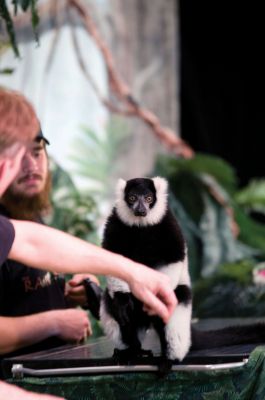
28,208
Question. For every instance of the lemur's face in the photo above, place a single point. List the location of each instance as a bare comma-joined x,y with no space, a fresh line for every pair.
140,196
141,201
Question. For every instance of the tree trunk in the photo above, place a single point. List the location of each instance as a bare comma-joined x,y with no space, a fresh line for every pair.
143,41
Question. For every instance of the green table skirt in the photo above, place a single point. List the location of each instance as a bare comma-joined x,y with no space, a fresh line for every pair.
247,382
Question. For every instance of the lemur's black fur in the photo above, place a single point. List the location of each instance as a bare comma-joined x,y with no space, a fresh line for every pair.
154,246
142,228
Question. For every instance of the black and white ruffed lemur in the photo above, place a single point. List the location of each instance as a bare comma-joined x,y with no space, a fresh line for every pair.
142,227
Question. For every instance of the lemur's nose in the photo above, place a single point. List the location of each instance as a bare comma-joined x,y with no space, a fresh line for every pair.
140,213
140,209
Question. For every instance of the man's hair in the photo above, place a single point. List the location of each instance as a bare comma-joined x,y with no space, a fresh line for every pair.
18,119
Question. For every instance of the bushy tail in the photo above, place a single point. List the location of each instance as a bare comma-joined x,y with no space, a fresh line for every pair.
245,334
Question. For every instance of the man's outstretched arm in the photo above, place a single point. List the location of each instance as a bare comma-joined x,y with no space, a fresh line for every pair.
47,248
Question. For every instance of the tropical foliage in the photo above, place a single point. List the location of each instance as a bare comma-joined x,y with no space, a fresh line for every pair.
252,197
7,15
96,157
232,284
202,191
71,212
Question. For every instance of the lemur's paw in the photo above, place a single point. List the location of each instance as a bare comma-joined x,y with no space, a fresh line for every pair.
164,367
125,356
122,356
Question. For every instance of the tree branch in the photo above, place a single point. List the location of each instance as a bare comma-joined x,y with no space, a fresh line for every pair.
121,90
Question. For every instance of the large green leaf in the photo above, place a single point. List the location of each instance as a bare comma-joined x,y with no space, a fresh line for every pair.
200,164
252,197
251,232
219,244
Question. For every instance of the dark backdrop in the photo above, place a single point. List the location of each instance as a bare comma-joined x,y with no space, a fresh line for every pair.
222,85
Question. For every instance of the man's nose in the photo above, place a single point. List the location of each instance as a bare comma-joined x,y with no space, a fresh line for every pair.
29,164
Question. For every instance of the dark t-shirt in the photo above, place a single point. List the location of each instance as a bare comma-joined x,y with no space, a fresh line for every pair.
7,235
25,290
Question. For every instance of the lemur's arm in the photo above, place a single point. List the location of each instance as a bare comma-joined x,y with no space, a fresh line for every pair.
123,308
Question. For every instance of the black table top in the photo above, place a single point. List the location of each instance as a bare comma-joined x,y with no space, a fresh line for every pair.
99,352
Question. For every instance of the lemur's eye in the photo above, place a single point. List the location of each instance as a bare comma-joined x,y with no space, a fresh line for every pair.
132,199
149,199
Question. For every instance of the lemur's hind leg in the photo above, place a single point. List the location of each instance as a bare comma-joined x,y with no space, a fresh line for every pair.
129,334
130,328
122,316
175,337
165,364
178,329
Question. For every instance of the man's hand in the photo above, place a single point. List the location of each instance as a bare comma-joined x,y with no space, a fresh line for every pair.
71,325
75,292
154,290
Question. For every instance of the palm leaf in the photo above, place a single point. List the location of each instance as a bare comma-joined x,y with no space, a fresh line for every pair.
4,13
6,16
95,156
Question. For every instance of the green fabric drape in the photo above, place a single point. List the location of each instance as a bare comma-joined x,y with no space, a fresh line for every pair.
243,383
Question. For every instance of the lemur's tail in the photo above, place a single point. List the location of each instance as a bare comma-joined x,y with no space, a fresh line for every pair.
229,336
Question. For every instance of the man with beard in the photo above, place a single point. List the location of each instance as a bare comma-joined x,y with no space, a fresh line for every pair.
49,249
28,195
25,290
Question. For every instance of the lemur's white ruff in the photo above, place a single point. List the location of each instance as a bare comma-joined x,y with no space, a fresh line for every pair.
155,214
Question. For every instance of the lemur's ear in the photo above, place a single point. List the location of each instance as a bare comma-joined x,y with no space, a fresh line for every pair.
161,184
121,184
